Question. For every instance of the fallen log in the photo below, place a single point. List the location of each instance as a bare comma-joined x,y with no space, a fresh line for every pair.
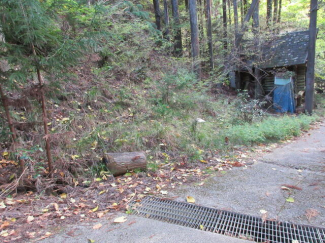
120,163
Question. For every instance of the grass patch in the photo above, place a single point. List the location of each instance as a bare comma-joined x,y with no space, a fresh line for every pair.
270,129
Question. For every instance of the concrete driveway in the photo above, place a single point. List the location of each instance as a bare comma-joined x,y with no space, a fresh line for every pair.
288,183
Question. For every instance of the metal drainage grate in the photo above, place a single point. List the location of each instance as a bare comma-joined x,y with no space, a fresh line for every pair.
227,223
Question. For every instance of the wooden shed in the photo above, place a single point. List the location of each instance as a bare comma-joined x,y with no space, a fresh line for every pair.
282,55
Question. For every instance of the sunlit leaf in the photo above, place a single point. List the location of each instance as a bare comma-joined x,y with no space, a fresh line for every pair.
101,192
97,226
164,192
30,219
190,199
94,209
290,199
120,219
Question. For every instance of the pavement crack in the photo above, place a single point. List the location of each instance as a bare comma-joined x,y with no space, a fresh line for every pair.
292,167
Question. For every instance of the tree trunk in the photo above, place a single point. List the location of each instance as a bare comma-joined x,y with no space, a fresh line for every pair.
275,11
235,18
46,131
201,26
279,13
257,74
229,11
209,32
269,13
44,117
157,13
224,21
186,5
166,17
247,18
195,38
310,72
242,14
121,163
178,49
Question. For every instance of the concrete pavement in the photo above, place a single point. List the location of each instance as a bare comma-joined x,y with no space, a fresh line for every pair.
299,166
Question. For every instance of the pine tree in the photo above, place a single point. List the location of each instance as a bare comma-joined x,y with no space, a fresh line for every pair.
34,45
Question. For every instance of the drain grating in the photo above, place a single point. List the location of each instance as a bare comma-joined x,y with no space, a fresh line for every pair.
227,223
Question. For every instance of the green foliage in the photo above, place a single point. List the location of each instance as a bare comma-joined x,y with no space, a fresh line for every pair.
248,110
271,129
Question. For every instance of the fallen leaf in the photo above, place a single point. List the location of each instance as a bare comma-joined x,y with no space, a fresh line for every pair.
201,227
190,199
99,215
290,199
237,164
103,191
4,233
30,219
285,188
90,241
72,200
56,206
62,217
120,219
94,209
262,211
47,234
292,187
311,213
97,226
63,195
164,192
10,201
2,205
4,225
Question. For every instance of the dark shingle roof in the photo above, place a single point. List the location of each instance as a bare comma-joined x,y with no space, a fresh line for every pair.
285,50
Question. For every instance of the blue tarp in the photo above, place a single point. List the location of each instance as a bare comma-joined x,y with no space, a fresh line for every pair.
283,98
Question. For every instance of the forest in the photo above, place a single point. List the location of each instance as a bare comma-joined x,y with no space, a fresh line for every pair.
189,87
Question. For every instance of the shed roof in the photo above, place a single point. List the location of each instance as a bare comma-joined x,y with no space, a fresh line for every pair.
285,50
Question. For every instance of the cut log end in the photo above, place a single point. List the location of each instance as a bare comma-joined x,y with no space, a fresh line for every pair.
121,163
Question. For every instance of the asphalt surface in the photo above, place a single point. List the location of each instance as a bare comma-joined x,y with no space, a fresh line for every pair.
299,166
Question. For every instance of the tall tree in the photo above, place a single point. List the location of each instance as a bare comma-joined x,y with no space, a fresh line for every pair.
224,21
157,13
235,17
229,11
178,32
269,12
166,18
279,12
35,45
209,32
257,74
195,37
310,73
275,11
242,13
247,18
201,18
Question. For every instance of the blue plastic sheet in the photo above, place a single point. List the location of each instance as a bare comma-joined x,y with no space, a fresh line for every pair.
283,98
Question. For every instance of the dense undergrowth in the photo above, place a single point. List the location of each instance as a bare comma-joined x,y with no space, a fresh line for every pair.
129,95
